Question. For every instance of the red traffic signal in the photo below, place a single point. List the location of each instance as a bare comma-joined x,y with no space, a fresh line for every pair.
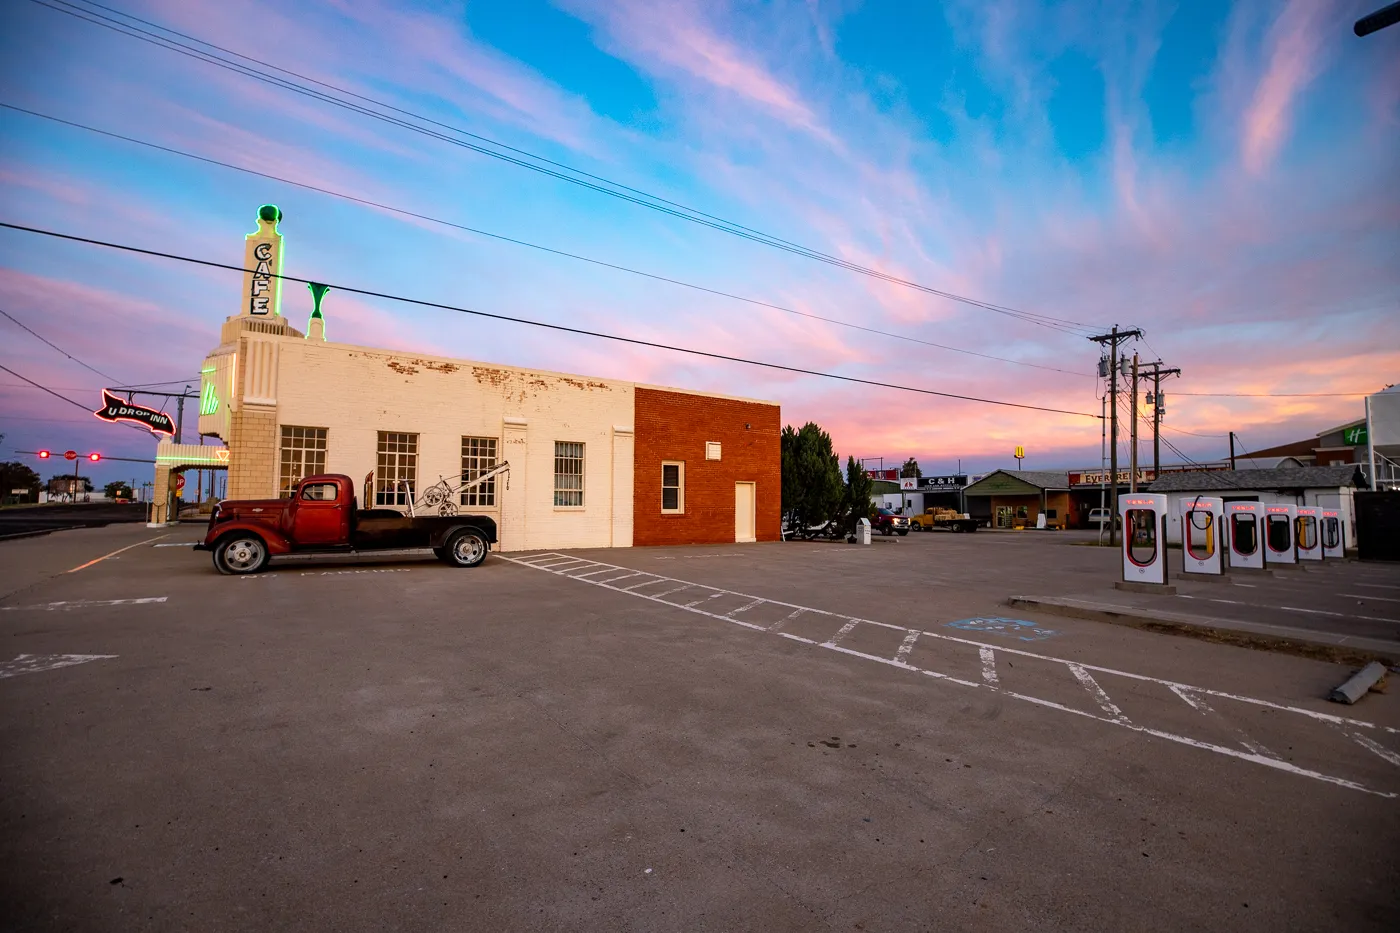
70,455
94,457
43,455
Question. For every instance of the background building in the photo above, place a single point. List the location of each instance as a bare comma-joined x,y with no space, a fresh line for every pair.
1331,487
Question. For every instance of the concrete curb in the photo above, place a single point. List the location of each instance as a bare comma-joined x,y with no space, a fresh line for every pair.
1259,636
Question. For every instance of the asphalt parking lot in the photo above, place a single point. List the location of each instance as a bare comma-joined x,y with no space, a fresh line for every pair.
784,736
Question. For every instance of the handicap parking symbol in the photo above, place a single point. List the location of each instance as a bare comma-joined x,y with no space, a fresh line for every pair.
1019,629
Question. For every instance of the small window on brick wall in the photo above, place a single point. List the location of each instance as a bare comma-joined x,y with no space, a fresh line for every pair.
568,474
712,450
672,488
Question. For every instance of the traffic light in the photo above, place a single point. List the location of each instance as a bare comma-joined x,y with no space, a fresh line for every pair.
94,457
43,455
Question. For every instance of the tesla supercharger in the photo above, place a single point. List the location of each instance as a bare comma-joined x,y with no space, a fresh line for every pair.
1278,534
1333,534
1244,533
1201,548
1307,532
1144,517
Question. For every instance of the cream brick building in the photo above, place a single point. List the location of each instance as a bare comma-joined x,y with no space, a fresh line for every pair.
289,404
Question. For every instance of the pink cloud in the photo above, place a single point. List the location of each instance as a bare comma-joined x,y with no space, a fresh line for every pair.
1295,42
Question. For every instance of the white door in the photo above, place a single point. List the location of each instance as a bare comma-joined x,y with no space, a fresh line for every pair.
745,513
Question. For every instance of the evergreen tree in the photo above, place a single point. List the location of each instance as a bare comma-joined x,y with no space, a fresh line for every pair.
812,488
911,468
859,488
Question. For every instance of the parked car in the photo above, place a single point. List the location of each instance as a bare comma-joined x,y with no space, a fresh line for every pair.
1098,518
888,523
322,515
943,518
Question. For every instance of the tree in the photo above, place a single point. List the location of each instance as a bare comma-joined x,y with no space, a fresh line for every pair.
911,468
859,489
15,475
812,488
117,490
61,484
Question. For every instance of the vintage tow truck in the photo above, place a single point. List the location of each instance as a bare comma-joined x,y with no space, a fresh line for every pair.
322,516
942,518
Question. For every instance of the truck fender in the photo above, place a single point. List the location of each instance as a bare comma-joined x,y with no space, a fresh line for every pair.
276,543
440,538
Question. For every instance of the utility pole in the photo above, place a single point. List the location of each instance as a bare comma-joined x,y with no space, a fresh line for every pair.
1132,461
180,417
1155,400
1113,339
1232,450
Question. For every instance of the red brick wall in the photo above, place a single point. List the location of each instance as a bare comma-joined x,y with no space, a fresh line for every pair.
675,426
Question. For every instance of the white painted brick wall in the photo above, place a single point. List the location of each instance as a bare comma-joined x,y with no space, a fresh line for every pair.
355,392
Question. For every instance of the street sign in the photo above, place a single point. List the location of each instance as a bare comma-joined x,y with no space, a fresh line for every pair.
70,455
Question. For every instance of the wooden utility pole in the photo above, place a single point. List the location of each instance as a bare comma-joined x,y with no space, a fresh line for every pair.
1232,450
1155,374
1132,461
1113,339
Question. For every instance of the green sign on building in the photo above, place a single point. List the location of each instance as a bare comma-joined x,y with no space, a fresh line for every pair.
1354,436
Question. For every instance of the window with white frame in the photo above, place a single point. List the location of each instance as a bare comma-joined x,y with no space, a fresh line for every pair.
712,450
568,473
478,457
302,454
396,469
672,488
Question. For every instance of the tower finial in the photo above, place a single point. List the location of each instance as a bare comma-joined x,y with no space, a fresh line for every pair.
316,325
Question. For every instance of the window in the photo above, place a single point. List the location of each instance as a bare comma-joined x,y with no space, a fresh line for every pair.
712,450
396,471
303,454
319,492
478,457
673,488
568,474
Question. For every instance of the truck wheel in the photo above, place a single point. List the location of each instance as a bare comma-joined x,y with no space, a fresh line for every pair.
240,553
466,548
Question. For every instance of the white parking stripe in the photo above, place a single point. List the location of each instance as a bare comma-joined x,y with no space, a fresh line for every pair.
84,604
1097,692
989,665
1114,715
846,629
1199,704
902,655
38,663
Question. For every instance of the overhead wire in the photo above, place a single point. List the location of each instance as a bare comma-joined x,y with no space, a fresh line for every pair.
635,341
616,190
59,396
519,242
33,333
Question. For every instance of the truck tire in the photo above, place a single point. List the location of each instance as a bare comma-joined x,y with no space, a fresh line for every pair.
466,548
239,553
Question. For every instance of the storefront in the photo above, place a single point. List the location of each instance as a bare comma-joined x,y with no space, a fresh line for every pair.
593,462
1017,499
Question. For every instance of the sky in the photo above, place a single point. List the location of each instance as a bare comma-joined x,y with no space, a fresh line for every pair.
1219,175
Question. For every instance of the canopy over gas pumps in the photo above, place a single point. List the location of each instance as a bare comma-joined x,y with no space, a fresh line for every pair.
1307,532
1333,533
1144,517
1202,517
1243,533
1278,534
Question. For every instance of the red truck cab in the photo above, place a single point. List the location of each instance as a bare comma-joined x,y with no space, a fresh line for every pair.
322,515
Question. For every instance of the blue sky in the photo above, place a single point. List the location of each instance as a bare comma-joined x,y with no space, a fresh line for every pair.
1219,175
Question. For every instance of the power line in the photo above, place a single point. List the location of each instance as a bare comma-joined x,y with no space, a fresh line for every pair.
497,236
1276,394
543,324
55,346
617,190
63,397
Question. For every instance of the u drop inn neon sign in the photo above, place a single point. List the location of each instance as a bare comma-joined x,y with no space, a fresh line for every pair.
115,409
